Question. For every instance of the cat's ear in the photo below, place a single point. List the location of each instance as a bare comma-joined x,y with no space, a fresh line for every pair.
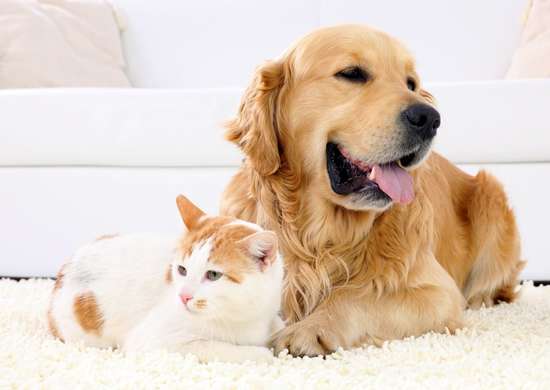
190,214
262,247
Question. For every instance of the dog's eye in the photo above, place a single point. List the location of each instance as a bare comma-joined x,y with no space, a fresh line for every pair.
354,74
411,84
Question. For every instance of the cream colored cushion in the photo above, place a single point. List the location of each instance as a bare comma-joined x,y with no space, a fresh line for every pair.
60,43
532,58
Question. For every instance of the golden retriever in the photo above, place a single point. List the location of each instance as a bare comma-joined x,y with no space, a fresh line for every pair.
381,238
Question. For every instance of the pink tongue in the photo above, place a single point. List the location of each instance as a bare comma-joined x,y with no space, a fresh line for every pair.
394,181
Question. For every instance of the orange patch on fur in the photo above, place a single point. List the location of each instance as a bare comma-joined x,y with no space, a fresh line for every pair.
202,232
190,213
168,274
52,326
200,304
59,278
234,277
225,252
231,257
87,313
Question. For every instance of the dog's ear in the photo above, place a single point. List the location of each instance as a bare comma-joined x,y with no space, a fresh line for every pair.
428,97
255,129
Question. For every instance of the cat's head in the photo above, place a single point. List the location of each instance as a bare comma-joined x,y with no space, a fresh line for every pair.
225,268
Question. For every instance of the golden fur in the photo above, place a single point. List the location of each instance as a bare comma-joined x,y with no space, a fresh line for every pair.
357,274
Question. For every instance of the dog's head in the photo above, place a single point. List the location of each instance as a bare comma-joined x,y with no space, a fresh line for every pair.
344,108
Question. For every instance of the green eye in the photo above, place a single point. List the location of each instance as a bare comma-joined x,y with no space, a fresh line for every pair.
213,275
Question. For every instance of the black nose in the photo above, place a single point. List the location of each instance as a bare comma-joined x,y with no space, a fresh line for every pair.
421,119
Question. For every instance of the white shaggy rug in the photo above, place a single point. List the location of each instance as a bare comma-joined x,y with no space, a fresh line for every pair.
507,346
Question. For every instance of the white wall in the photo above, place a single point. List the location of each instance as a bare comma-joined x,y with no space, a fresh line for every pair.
217,43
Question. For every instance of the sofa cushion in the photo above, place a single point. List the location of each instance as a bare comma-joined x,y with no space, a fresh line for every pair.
212,43
60,43
208,43
482,122
451,40
532,57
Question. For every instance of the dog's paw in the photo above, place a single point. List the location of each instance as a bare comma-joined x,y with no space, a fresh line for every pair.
478,301
305,338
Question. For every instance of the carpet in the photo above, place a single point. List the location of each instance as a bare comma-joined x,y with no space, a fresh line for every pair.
507,346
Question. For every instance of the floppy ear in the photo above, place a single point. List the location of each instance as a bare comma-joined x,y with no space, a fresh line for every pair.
255,128
261,246
190,214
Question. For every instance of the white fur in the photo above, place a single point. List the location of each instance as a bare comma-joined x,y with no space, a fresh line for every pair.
142,311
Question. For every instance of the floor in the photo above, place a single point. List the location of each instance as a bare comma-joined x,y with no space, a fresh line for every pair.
507,346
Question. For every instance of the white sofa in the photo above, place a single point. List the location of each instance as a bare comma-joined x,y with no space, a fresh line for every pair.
78,163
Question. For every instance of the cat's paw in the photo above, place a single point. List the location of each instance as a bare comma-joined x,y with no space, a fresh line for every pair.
257,354
236,354
305,338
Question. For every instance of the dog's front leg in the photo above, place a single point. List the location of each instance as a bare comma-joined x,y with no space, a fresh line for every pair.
349,317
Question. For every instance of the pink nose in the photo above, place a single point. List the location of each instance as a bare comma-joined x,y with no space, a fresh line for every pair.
185,298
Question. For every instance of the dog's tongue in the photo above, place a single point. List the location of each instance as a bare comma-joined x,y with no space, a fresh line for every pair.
394,181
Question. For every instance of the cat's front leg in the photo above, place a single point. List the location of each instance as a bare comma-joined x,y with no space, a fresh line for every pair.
211,350
276,325
142,338
160,329
155,335
206,350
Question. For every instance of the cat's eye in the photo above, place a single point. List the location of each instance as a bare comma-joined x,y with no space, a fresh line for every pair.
213,275
182,270
411,84
354,74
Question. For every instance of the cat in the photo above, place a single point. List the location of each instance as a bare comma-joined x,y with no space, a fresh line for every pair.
215,292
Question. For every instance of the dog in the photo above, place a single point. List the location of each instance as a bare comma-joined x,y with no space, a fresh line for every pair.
382,238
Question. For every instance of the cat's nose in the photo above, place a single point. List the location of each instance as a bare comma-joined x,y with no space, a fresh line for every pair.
185,297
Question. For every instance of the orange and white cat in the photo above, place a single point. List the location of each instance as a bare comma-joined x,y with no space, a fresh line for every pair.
215,292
